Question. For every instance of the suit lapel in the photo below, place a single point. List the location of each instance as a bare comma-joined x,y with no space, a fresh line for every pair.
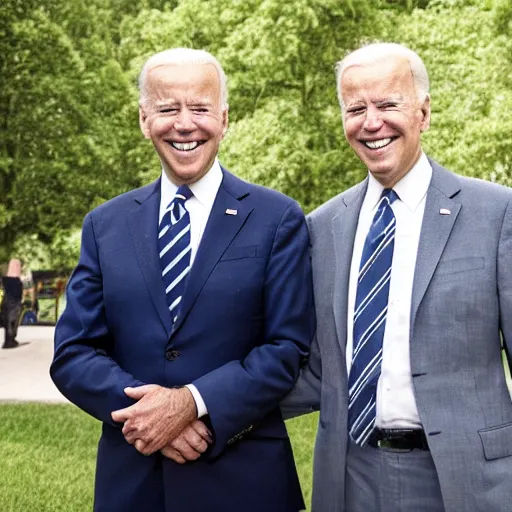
220,230
435,231
143,225
344,226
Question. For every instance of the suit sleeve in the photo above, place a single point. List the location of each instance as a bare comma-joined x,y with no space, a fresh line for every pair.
505,280
305,395
240,393
304,398
81,368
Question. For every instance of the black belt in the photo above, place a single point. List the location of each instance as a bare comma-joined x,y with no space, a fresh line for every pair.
398,439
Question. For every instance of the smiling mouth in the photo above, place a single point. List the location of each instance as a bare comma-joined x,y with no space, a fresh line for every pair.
186,146
378,144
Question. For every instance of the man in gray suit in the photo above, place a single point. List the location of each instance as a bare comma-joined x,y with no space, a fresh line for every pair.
434,432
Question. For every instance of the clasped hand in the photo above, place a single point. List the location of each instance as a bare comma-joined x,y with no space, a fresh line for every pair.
163,419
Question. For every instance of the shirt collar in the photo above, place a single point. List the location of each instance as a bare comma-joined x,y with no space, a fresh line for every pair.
204,190
411,189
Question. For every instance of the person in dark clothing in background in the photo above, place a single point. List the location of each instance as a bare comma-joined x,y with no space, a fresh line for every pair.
11,303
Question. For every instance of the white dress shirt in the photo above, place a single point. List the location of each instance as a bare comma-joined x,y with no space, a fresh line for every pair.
199,207
396,404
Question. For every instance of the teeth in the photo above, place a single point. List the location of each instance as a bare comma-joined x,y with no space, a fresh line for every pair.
376,144
185,146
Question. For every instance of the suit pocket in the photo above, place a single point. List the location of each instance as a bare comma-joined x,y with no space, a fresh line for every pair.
457,265
237,253
497,441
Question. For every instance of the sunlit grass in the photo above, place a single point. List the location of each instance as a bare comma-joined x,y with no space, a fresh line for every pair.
47,458
48,455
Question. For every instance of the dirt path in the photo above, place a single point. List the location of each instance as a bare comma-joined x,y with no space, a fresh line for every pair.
24,370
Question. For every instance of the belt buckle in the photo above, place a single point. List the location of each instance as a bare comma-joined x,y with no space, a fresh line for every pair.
386,444
382,443
392,441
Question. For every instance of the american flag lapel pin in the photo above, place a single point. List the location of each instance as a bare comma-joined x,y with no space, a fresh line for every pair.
229,211
445,211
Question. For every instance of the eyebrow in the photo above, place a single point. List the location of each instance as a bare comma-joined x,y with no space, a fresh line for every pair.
165,103
353,104
397,98
193,101
200,101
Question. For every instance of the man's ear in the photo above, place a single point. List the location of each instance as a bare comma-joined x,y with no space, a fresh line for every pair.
425,110
143,122
225,120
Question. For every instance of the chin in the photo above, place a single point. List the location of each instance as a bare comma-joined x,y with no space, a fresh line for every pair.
190,177
380,172
384,177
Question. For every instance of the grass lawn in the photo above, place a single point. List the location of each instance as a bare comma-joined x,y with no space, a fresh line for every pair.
48,452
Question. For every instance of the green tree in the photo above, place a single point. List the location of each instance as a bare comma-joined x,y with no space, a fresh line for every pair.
285,129
468,50
69,137
64,139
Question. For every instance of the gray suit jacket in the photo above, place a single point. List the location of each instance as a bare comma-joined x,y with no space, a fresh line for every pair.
461,306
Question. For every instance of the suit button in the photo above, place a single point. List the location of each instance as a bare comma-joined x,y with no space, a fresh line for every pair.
171,355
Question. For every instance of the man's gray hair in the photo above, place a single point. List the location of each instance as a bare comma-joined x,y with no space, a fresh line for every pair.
179,56
378,52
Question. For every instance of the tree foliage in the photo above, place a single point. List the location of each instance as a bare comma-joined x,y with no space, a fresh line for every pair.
64,131
285,126
69,137
471,78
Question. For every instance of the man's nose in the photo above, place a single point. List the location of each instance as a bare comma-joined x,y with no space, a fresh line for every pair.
184,121
373,119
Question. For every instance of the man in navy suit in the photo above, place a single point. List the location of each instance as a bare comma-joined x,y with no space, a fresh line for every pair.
225,349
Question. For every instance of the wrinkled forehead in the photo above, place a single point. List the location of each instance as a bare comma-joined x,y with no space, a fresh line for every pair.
169,80
389,77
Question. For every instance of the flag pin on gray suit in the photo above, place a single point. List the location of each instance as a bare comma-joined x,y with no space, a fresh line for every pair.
229,211
445,211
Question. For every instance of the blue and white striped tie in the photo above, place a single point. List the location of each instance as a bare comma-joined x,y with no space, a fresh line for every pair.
370,313
174,248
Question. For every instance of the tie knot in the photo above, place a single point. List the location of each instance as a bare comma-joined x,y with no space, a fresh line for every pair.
177,206
183,193
390,194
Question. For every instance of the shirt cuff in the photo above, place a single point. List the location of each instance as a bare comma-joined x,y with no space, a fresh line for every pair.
198,399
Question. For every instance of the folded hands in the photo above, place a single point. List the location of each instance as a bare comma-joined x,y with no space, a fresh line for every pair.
164,420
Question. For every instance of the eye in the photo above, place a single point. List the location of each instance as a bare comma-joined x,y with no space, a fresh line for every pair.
167,110
200,110
388,106
355,110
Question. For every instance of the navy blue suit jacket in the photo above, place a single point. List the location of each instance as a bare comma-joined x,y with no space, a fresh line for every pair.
246,323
